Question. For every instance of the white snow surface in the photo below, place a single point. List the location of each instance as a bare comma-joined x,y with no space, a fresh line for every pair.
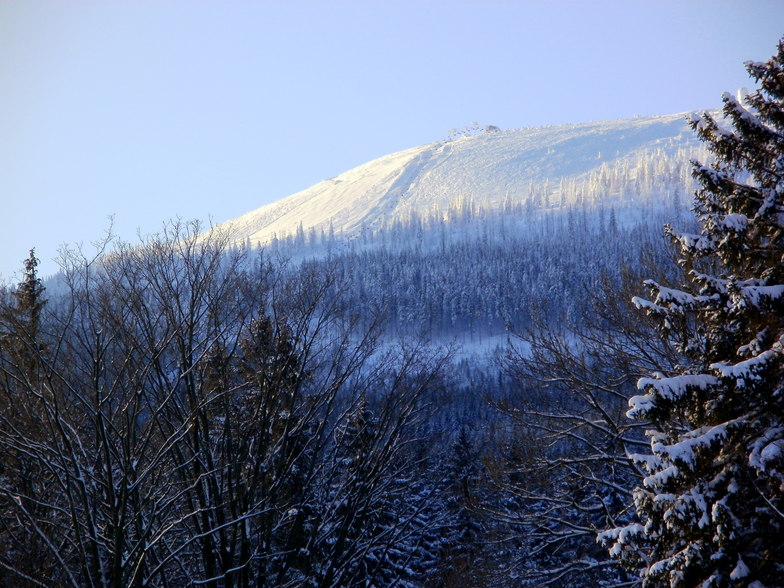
487,169
667,388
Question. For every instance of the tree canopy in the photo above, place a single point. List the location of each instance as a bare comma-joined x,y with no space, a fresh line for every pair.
711,504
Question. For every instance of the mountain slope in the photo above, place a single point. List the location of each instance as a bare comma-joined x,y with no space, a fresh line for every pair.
555,166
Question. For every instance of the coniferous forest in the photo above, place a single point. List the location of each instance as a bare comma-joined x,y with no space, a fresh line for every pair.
535,396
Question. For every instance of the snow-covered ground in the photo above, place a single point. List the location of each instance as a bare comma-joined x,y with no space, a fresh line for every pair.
546,166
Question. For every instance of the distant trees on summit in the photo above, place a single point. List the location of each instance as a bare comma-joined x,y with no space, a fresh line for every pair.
655,178
470,130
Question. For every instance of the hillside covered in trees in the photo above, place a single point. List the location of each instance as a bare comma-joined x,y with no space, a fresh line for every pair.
533,388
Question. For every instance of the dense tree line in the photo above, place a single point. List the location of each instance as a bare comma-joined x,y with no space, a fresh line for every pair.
176,416
663,425
480,285
181,412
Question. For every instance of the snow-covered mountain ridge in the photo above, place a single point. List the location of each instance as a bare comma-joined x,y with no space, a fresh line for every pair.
612,162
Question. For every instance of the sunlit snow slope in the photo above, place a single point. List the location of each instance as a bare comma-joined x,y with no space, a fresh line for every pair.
491,169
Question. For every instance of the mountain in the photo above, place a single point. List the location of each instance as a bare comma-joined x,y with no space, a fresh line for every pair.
611,163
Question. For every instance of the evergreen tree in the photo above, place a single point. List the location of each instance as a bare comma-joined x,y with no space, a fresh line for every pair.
711,506
24,317
463,532
29,293
24,481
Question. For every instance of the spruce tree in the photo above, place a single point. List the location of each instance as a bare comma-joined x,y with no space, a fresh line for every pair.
25,316
711,504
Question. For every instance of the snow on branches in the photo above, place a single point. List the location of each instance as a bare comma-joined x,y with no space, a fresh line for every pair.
710,503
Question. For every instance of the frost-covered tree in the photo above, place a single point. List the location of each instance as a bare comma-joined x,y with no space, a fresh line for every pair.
565,472
168,418
711,506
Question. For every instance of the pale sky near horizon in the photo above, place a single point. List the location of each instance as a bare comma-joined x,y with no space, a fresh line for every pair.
153,109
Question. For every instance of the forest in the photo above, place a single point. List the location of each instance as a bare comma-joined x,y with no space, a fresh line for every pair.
550,394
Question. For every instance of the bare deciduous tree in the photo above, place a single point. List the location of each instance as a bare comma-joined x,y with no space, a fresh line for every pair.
565,467
172,417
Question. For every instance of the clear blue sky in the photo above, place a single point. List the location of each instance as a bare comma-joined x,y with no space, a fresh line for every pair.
152,109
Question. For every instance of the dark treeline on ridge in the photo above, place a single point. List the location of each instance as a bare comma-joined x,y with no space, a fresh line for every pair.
482,286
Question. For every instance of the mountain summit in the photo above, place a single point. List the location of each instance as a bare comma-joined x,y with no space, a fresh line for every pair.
610,162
